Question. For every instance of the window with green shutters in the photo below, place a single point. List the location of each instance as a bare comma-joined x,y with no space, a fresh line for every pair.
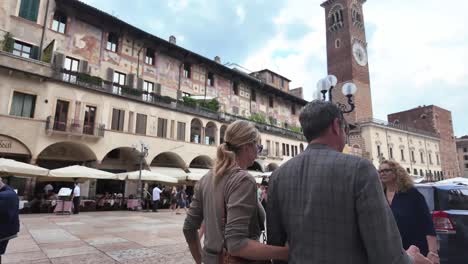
29,9
23,105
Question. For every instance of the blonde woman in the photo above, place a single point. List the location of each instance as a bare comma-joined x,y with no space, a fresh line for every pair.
409,209
225,200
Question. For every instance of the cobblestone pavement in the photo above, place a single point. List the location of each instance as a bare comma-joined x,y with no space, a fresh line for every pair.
100,238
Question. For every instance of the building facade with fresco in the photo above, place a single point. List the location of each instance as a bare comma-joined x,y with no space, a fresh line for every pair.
79,86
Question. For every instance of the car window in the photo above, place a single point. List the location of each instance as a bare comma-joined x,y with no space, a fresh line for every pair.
428,194
453,199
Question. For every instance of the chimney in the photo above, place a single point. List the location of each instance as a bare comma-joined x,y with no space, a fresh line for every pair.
217,59
172,40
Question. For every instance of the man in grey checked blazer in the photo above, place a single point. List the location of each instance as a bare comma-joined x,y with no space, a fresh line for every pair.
328,206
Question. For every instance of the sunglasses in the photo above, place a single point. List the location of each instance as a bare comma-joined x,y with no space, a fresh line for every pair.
385,170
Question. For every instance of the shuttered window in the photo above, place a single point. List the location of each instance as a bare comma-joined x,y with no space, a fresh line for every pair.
29,9
141,124
23,105
181,131
118,117
162,127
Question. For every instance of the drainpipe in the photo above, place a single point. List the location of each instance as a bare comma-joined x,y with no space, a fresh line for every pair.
138,62
41,46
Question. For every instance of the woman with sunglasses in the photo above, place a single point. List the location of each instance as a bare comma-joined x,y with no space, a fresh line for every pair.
409,209
225,200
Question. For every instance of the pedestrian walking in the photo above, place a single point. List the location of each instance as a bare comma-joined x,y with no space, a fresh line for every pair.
181,199
173,199
329,206
225,200
9,220
156,197
409,209
76,197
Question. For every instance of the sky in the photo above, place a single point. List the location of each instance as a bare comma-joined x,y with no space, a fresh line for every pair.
417,49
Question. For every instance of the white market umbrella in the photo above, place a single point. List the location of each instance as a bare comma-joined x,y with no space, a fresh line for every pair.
454,181
13,167
77,171
146,175
196,174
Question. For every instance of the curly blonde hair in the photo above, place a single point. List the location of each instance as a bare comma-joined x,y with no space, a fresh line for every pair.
404,180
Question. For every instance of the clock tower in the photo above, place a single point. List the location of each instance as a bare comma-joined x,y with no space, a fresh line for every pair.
347,54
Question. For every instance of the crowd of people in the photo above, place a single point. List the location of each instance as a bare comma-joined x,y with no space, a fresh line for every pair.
322,206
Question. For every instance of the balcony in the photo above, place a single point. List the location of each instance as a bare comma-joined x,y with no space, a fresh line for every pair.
74,128
97,84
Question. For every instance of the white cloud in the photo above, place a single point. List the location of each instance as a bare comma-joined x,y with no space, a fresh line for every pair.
418,50
240,12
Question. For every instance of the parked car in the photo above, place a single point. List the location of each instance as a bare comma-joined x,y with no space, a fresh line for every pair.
449,206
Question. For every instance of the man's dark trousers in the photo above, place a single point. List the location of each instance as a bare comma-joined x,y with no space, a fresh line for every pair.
155,205
76,205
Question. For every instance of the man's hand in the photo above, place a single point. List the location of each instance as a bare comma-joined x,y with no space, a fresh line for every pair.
434,257
414,253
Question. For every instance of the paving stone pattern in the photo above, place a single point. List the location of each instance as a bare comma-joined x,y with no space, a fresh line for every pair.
100,238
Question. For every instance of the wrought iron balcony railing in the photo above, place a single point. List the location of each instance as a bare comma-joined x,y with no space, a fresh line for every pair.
74,127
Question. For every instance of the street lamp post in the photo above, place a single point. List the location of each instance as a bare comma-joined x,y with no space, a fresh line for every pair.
327,84
142,154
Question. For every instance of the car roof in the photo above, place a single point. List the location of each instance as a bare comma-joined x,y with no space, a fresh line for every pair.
442,186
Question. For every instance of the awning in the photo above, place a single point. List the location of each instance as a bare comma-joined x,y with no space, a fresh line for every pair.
13,167
259,173
196,174
77,171
177,173
146,175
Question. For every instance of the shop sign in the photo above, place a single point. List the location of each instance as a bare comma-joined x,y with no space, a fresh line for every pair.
6,144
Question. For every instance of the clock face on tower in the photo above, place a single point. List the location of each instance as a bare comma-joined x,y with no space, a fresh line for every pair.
360,54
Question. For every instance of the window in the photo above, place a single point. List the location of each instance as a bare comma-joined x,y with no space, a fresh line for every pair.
268,150
437,159
465,157
287,149
61,115
112,42
465,149
29,9
402,152
253,96
149,58
408,170
162,127
391,152
210,79
172,129
422,157
412,156
415,171
181,131
148,88
282,83
293,109
187,70
141,124
118,117
284,149
119,81
421,172
71,65
59,23
277,149
270,101
466,166
235,88
89,120
23,105
378,151
25,50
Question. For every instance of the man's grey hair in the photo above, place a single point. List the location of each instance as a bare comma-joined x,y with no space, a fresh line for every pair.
317,116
